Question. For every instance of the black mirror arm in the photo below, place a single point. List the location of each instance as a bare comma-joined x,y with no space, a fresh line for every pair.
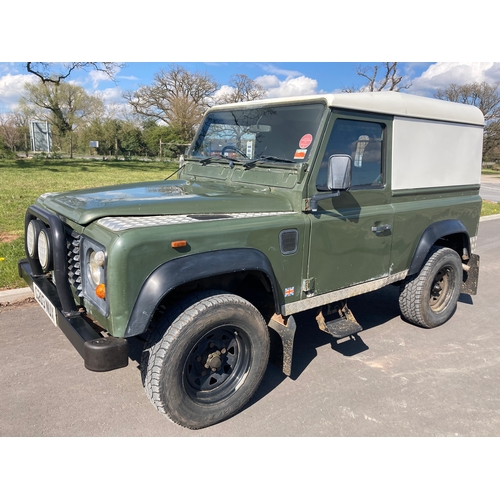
313,205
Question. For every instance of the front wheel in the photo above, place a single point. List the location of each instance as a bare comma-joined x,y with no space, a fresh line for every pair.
206,359
429,299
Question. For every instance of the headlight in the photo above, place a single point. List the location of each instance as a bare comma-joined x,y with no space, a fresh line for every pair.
44,249
96,267
94,274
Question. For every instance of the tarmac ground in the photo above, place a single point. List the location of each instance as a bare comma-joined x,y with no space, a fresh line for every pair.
393,379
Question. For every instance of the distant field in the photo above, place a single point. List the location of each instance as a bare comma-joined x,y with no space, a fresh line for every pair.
23,181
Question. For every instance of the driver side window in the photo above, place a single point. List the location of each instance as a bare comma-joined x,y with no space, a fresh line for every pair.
363,142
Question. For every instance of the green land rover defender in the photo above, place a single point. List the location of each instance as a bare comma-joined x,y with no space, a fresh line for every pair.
281,206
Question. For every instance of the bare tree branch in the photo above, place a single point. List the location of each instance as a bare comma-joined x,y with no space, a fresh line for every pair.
243,89
390,80
48,74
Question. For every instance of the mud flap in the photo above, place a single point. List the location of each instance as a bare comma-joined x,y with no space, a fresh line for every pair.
285,328
344,325
471,275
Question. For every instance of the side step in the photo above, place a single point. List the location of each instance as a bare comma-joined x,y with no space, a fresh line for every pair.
344,325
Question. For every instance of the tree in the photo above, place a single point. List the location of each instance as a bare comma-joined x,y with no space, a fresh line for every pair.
9,131
486,97
131,138
483,95
390,80
170,139
22,123
56,73
491,143
5,152
176,97
242,89
64,105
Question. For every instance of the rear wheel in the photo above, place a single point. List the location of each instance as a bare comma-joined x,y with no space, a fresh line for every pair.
206,359
429,299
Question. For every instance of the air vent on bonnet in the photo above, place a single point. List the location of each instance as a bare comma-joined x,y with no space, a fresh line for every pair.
209,217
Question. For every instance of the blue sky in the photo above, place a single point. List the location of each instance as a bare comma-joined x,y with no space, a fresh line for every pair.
280,79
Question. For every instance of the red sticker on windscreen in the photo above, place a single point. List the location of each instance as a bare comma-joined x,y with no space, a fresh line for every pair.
305,142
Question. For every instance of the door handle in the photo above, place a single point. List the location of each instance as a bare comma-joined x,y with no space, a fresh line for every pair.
381,229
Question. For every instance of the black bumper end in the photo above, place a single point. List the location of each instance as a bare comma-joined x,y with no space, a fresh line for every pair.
100,354
105,354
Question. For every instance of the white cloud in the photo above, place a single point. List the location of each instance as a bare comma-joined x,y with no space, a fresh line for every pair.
11,88
274,70
111,95
96,77
132,78
440,75
291,86
225,89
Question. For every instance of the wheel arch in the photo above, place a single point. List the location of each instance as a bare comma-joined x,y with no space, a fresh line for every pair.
174,274
449,233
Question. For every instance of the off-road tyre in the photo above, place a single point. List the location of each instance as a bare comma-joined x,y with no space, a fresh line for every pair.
205,359
429,298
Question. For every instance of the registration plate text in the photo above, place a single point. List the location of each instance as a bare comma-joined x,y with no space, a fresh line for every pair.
45,304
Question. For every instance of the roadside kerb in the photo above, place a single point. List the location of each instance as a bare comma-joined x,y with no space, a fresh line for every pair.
17,295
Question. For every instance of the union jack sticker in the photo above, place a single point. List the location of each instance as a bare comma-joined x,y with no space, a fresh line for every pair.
289,291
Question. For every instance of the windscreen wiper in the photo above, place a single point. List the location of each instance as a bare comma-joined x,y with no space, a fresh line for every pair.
251,163
210,159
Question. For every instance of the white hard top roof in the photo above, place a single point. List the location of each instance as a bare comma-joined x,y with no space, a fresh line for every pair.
389,103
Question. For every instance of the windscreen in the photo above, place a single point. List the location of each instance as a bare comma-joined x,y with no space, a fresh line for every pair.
284,132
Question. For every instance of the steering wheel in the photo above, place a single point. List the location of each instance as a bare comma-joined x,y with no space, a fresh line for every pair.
233,148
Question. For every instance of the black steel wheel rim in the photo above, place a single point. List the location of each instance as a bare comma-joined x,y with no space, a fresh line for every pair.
441,289
217,365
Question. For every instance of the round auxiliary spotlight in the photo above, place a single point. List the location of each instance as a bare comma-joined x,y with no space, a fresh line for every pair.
45,249
32,232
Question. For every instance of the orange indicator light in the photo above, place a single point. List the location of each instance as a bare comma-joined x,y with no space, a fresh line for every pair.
179,244
100,291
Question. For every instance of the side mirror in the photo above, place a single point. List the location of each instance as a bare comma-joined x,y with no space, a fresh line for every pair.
339,172
338,179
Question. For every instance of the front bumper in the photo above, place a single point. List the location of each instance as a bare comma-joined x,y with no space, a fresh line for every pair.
99,353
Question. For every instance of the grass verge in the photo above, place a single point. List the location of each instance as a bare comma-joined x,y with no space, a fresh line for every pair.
10,253
490,208
490,171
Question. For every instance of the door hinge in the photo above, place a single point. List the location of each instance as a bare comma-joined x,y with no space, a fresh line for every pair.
308,285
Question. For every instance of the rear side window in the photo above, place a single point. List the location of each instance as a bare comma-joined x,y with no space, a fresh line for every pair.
363,142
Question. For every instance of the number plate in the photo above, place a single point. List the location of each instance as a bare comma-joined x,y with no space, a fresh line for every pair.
45,304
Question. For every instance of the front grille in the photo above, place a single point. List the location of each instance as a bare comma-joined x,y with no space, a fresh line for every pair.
74,269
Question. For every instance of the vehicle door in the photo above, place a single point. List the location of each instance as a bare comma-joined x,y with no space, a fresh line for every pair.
351,234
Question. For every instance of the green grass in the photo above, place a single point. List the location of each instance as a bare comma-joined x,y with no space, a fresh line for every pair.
490,208
490,171
23,181
10,253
